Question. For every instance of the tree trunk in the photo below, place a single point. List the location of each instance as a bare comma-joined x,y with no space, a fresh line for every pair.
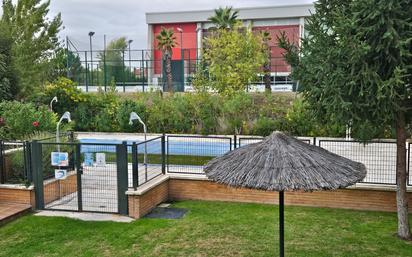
266,77
404,231
169,75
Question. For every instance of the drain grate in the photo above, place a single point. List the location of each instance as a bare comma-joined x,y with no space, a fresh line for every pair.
167,213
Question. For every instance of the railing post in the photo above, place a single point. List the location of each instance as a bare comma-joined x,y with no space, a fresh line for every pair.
36,160
163,154
122,174
135,166
27,163
79,173
235,143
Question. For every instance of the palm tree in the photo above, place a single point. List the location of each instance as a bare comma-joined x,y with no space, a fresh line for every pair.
265,35
224,18
166,40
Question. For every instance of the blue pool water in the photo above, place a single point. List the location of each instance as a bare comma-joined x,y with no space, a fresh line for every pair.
211,147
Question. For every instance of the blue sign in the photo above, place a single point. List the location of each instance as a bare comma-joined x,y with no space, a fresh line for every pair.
88,159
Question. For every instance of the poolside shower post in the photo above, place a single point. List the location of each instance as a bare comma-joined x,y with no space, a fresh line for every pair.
134,116
66,116
51,103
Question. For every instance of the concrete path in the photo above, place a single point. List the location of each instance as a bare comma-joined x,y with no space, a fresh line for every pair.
86,216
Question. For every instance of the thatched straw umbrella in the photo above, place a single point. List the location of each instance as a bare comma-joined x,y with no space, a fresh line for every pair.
281,163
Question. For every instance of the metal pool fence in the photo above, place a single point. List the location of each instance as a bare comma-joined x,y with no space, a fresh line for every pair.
15,164
379,158
242,141
188,154
77,176
147,161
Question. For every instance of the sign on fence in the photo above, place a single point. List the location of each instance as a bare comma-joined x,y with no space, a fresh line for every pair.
100,159
60,174
88,159
59,159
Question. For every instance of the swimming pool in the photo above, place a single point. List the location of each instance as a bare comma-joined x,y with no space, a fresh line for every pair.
174,146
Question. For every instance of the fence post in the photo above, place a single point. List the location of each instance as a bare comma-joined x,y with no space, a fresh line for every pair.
122,181
124,75
2,172
135,166
235,143
79,172
87,74
36,160
27,164
163,154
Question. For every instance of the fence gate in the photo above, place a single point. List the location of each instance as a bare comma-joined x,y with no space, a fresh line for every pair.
80,177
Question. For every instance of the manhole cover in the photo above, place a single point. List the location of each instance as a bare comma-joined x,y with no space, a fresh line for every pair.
167,213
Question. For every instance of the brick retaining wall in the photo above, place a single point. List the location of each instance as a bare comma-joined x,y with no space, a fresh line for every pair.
358,199
176,188
17,194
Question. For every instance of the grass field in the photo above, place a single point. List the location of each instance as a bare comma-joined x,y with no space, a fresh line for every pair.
211,229
172,159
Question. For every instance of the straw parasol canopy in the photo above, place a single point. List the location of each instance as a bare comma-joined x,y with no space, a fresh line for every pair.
282,163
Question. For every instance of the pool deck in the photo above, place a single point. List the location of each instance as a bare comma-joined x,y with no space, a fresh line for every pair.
11,211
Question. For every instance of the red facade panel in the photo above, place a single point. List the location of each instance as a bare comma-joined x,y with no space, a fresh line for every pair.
187,41
278,63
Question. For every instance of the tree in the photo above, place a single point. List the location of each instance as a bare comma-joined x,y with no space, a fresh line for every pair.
266,38
64,64
232,59
112,61
224,18
166,40
356,67
8,78
35,37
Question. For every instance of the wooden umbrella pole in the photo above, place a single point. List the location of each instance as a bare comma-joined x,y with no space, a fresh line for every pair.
281,224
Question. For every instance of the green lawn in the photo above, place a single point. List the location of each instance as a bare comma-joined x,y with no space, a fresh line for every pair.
173,159
211,229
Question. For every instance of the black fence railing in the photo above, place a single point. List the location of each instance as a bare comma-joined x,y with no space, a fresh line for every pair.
147,159
188,154
242,141
15,164
131,70
379,157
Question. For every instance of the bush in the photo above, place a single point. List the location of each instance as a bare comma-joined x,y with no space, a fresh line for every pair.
19,120
190,113
123,115
69,96
238,112
265,126
302,122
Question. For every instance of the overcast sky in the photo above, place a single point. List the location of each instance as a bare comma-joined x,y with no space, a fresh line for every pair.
117,18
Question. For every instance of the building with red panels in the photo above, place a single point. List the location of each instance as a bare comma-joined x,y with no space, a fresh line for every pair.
191,26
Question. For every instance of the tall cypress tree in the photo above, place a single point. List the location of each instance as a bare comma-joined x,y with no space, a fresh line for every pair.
8,78
34,36
355,67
